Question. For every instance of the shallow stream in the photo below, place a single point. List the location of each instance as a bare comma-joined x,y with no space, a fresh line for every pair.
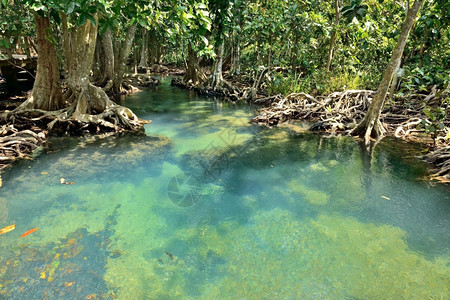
208,206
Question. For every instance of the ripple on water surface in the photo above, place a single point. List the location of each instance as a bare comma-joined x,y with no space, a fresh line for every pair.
207,205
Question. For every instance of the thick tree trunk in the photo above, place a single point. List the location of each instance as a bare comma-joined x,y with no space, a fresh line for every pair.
394,81
108,50
105,62
193,71
217,77
122,51
371,126
98,68
86,98
337,4
236,58
87,106
46,94
90,104
144,49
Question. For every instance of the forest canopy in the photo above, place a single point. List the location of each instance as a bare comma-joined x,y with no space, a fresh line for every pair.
87,50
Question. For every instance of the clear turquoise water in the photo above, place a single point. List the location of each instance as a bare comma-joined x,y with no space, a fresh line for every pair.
208,206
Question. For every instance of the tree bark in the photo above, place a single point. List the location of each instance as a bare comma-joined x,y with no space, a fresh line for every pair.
217,78
337,9
193,71
144,49
87,107
122,51
394,81
109,54
85,97
236,58
106,60
97,69
371,126
46,93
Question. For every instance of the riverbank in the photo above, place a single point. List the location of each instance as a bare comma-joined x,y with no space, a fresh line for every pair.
338,113
21,136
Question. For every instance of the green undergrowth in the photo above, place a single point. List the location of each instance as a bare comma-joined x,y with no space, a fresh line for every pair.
321,83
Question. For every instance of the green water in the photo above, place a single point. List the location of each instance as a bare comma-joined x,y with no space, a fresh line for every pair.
208,206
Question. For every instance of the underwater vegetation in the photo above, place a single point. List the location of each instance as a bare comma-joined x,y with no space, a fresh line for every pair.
206,206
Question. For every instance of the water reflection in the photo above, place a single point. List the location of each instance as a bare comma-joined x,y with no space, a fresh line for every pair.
277,213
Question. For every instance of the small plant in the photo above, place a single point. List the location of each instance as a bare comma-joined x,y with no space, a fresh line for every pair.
434,123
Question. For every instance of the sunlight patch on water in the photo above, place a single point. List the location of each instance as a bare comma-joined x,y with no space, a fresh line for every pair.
208,206
278,256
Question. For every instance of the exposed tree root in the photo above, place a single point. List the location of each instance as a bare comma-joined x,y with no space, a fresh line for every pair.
226,90
114,118
25,129
440,160
338,113
19,143
131,83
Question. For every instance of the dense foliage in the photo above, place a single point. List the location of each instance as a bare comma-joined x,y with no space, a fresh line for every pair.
291,38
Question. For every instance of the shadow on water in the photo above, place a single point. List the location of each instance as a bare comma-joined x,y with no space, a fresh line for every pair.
206,205
72,268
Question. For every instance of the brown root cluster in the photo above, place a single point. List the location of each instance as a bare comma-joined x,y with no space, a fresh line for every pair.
336,112
114,118
130,83
340,112
133,82
18,143
225,90
440,159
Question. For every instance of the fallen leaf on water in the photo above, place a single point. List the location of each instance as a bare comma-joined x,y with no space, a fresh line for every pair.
29,232
384,197
7,229
44,173
69,284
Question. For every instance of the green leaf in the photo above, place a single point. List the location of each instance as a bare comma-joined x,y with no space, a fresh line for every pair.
91,18
70,8
92,9
81,19
205,40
